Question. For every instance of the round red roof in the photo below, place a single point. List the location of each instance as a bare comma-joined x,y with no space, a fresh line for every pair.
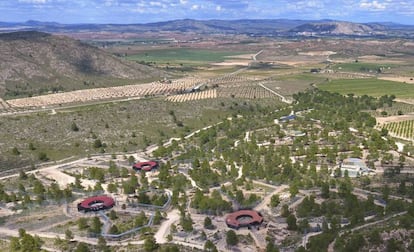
146,166
233,218
106,201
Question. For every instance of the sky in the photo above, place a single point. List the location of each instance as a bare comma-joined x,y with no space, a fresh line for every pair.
147,11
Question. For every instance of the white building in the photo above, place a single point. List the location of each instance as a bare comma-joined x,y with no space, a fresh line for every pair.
355,167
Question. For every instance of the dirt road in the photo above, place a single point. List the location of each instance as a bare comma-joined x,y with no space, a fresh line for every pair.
172,217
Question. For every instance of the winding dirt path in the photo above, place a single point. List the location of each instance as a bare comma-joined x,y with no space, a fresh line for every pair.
172,217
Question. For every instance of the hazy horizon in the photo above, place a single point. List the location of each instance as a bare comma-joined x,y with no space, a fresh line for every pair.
141,11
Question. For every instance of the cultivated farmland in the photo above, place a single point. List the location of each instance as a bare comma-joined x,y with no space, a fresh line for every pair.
372,87
398,108
182,56
90,95
208,94
247,92
364,67
404,129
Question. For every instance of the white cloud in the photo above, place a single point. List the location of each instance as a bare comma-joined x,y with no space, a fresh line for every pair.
109,3
314,4
155,4
373,5
121,11
33,1
158,4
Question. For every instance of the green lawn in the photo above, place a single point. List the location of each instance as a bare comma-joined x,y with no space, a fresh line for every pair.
183,56
371,87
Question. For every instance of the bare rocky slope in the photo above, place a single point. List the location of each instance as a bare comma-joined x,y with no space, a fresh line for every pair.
33,63
344,28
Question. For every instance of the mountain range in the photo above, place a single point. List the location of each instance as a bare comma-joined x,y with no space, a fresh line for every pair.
253,27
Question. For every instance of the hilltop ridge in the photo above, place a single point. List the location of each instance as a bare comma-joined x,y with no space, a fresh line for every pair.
34,62
254,27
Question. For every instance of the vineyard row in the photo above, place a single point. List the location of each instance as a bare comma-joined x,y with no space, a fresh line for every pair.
138,90
404,129
208,94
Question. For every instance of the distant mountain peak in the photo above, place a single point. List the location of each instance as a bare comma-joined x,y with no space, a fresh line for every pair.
36,22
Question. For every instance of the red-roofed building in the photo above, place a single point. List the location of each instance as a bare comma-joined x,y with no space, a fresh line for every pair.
244,218
145,166
96,203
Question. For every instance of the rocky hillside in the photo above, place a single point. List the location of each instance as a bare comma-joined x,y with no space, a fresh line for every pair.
34,63
339,28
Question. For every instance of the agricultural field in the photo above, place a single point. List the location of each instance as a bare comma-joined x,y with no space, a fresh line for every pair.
404,129
364,67
90,95
289,85
246,92
208,94
182,56
398,108
371,87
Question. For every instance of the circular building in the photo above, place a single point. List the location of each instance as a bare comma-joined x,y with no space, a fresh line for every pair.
244,218
145,166
96,203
